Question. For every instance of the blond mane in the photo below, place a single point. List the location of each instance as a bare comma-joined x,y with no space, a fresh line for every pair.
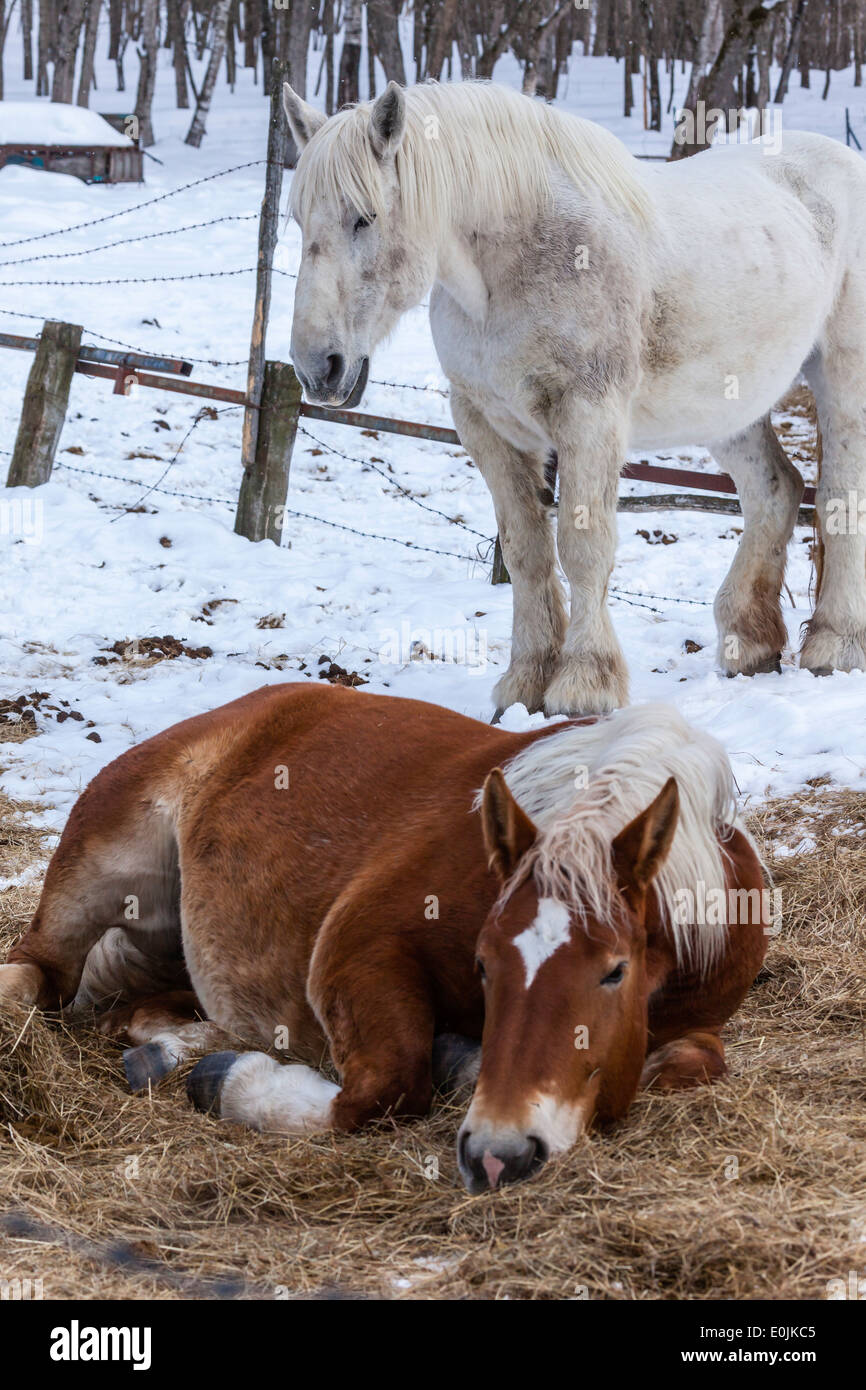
583,785
473,153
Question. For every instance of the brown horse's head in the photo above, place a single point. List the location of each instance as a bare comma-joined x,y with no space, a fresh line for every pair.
565,1026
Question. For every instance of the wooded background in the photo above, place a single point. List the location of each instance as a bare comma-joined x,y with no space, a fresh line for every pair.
729,46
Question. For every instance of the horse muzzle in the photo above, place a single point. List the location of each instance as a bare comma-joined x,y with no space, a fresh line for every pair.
488,1160
330,381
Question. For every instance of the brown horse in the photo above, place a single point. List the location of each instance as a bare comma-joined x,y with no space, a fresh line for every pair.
314,868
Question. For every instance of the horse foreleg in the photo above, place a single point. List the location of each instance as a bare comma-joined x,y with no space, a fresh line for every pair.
692,1060
592,677
374,1005
749,620
254,1089
517,485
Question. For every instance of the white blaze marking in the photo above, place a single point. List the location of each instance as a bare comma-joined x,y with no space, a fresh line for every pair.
550,930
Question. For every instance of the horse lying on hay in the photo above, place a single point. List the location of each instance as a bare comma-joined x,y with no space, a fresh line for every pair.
583,305
318,866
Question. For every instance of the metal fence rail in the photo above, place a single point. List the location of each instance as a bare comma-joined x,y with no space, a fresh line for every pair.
131,369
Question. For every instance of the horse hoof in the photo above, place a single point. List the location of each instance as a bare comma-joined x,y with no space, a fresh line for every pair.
147,1064
820,670
205,1082
498,713
456,1062
770,666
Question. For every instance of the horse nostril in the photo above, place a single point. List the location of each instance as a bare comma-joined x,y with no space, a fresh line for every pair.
336,366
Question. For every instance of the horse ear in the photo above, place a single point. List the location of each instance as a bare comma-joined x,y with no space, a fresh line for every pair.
642,847
508,831
388,120
304,120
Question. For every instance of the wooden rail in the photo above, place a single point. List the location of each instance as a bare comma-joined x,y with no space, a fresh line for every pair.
59,353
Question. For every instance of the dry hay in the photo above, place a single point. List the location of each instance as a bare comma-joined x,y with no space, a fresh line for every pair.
754,1188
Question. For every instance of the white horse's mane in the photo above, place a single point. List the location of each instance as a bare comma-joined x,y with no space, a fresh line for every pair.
473,153
583,785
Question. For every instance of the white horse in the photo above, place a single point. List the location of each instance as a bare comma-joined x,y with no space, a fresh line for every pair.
584,304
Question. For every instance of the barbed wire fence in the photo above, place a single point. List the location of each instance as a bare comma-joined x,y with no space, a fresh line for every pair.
484,544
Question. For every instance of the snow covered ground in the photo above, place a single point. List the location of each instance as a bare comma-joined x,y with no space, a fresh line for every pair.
82,574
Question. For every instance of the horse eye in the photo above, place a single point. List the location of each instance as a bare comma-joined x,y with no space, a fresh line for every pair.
615,976
480,967
361,223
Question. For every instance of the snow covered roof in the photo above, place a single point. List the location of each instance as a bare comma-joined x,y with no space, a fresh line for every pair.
55,123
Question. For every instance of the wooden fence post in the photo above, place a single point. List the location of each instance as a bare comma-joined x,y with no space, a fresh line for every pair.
269,218
265,486
500,573
45,402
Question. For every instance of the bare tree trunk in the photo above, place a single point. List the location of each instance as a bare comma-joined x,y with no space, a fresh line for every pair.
304,15
652,57
148,60
267,44
44,46
177,12
350,58
792,50
717,89
147,56
195,134
69,16
27,37
250,32
115,24
329,57
118,62
466,45
383,35
443,38
804,62
627,93
545,87
709,43
858,43
231,56
765,55
91,32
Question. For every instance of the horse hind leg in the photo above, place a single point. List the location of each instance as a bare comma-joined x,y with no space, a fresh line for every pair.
694,1059
163,1031
751,629
835,635
99,878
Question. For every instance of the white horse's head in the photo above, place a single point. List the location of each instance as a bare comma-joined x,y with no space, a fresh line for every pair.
359,267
